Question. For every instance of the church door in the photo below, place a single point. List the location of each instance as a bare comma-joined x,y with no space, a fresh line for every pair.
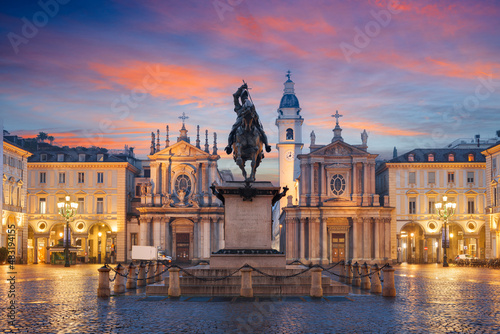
338,247
182,247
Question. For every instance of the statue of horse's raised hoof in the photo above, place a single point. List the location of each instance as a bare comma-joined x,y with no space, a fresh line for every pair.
228,149
268,148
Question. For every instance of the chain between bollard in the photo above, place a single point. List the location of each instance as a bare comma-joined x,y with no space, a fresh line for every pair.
135,278
360,276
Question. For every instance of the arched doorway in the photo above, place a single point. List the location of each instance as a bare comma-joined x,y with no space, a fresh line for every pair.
31,245
456,235
57,235
412,243
101,243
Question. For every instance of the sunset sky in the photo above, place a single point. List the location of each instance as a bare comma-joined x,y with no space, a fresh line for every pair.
417,74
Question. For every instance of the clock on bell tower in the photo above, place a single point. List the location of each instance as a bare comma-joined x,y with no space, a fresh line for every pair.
289,123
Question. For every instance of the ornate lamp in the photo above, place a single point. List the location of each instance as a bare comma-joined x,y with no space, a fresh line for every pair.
67,209
445,210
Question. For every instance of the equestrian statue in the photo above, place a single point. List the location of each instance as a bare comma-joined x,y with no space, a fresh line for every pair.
247,135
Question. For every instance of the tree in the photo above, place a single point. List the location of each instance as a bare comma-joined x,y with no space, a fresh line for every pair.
41,137
50,139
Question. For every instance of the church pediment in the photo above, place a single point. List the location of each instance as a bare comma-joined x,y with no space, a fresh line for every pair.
338,148
179,149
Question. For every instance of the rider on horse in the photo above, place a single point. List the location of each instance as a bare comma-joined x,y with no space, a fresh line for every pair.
240,109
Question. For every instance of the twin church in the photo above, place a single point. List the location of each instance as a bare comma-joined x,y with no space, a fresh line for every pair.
331,212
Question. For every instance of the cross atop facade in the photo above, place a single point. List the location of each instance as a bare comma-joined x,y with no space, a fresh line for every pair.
183,117
337,116
288,74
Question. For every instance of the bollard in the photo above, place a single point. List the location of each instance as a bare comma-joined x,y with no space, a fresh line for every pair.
159,269
151,273
389,289
316,287
365,280
357,279
342,272
119,279
246,283
376,286
131,283
103,288
348,279
141,277
174,288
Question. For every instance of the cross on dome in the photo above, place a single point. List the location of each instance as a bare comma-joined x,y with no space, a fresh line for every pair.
337,116
183,117
288,74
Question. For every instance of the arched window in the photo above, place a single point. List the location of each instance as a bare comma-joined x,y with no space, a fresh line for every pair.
411,157
451,157
430,157
289,134
470,157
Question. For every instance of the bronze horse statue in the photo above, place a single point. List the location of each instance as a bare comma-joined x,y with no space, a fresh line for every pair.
248,144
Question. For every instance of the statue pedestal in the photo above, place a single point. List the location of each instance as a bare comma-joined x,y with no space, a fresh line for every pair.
248,226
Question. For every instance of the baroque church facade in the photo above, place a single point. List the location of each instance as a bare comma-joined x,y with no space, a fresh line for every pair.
334,213
176,209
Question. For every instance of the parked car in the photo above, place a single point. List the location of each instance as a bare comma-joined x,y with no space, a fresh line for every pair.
465,257
163,257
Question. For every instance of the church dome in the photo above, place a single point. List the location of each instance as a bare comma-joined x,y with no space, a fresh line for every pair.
289,101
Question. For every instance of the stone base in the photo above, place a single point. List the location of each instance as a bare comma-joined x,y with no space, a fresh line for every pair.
262,285
255,260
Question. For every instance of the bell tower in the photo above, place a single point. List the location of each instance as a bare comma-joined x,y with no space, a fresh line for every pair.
289,123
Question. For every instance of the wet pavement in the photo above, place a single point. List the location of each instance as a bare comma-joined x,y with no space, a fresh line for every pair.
431,299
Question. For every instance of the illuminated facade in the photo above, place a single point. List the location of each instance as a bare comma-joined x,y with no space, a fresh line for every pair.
176,209
14,205
492,155
338,215
101,182
415,181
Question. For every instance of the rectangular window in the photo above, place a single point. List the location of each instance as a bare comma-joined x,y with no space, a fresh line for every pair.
432,206
81,157
411,178
100,157
451,177
60,157
62,177
133,240
43,177
81,205
432,177
470,205
470,177
137,191
100,205
100,177
81,177
412,206
42,206
43,157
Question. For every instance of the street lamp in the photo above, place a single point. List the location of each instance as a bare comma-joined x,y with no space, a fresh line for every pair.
67,209
445,210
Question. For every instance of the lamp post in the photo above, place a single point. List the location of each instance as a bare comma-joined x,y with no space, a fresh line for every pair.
445,210
67,209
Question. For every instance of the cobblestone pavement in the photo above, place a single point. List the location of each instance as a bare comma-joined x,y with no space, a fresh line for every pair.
431,299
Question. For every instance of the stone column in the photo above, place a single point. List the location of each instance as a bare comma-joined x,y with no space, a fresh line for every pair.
103,290
389,289
316,287
156,231
376,238
131,282
324,242
246,283
302,237
288,236
119,280
206,237
221,234
314,240
387,238
356,241
35,251
174,287
168,236
382,241
144,231
367,242
86,248
196,239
